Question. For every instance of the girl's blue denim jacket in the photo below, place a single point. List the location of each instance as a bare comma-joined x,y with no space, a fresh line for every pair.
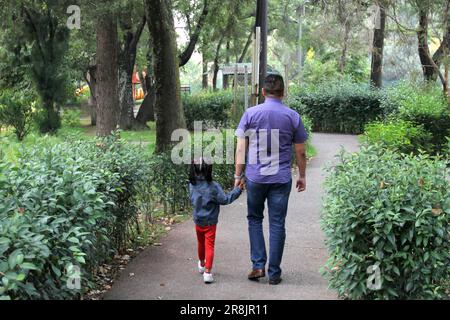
206,199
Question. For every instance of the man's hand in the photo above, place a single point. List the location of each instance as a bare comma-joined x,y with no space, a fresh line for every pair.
239,183
301,184
300,155
242,185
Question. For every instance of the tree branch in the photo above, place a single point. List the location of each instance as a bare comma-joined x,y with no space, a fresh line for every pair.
186,55
138,33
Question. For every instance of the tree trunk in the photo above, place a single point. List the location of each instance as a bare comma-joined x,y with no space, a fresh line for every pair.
299,49
343,60
91,79
216,64
169,111
204,72
431,69
424,50
446,48
107,78
247,45
147,111
376,75
126,118
187,53
127,60
227,61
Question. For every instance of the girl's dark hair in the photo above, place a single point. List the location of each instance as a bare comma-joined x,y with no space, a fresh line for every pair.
198,169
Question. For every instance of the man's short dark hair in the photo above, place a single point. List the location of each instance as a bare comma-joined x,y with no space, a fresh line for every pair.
274,85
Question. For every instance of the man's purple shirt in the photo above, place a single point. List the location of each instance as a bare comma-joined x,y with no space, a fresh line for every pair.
287,123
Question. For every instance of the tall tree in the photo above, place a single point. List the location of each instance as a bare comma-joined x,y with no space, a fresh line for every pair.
169,111
146,112
38,40
132,31
376,74
431,64
216,63
107,73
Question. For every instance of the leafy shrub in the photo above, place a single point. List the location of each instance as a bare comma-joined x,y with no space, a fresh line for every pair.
391,211
398,135
16,110
423,105
429,109
65,206
343,107
213,108
169,181
47,120
71,118
308,125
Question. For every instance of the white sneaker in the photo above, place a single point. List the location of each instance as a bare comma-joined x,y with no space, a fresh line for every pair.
200,268
208,277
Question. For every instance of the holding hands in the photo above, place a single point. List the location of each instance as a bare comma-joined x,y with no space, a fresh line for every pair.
239,182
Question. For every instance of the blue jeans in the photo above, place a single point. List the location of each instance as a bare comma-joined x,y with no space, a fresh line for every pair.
277,195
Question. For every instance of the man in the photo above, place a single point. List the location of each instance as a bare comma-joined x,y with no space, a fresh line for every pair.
266,134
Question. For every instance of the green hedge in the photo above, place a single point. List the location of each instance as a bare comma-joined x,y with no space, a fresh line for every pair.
169,182
422,105
61,206
399,135
77,203
343,107
391,211
169,185
430,110
213,108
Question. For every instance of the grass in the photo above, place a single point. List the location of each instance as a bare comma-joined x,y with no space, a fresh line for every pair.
10,147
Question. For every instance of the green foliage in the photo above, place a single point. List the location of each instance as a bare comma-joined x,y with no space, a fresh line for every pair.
391,211
16,110
343,106
65,205
169,181
431,111
71,118
398,135
423,105
316,71
37,41
213,108
307,122
326,68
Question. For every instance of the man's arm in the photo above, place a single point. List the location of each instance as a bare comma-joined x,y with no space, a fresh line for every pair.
240,159
300,156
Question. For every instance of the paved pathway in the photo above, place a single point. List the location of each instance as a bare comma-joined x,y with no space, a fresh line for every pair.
169,271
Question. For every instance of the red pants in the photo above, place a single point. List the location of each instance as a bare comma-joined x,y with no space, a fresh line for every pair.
206,237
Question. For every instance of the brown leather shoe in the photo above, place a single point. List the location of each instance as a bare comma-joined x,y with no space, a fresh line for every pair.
256,274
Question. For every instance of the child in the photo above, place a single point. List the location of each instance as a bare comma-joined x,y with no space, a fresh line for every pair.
206,197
